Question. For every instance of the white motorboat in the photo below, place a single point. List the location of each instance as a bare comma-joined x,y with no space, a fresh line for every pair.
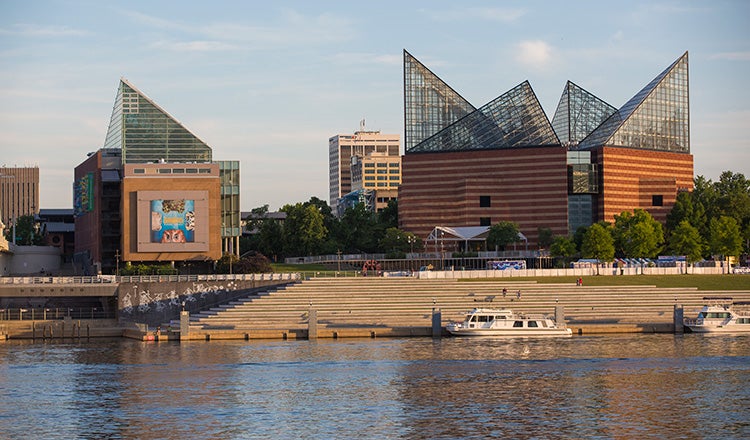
505,322
721,315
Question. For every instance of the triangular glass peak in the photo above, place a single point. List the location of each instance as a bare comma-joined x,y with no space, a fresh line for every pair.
578,114
430,104
147,133
514,119
656,118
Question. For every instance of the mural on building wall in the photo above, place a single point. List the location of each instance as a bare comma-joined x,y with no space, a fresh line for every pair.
172,221
83,195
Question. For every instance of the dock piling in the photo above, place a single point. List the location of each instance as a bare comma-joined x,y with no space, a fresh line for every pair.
678,315
437,319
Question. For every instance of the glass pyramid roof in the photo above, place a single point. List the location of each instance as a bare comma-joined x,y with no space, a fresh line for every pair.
514,119
147,133
657,118
578,114
430,104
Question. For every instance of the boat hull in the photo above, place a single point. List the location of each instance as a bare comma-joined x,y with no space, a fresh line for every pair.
719,329
518,333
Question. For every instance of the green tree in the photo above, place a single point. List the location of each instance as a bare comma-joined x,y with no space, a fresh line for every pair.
598,243
733,196
733,200
227,263
638,235
270,239
254,262
361,231
27,233
502,234
388,216
266,234
304,231
725,237
563,248
545,237
686,240
394,240
686,208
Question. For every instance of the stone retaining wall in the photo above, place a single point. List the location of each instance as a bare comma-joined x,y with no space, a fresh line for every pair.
154,303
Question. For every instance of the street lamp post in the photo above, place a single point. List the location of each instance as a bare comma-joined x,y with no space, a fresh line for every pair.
442,252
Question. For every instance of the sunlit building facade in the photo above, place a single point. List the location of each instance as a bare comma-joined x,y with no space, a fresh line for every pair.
153,193
19,193
505,161
342,148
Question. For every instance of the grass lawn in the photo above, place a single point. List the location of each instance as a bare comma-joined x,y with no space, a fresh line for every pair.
702,282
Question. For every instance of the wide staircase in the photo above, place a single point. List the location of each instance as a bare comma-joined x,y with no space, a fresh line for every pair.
404,306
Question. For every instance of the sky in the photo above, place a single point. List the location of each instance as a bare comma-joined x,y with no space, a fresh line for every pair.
268,83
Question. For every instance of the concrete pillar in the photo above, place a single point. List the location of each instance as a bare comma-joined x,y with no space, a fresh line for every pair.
437,327
678,318
560,316
312,324
184,325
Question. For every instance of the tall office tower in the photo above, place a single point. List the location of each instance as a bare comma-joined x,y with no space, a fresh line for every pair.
342,147
19,192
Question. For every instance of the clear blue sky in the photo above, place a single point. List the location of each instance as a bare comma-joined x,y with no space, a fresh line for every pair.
267,83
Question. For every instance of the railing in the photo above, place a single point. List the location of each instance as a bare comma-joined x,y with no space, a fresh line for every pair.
103,279
44,314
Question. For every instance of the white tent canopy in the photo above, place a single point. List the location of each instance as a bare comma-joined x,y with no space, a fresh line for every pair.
466,234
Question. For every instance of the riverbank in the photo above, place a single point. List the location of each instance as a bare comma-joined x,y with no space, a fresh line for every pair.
404,306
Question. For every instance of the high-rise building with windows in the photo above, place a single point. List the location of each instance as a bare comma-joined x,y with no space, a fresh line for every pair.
19,193
341,149
153,193
505,161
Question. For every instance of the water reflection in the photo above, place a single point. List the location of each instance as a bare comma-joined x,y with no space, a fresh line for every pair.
622,386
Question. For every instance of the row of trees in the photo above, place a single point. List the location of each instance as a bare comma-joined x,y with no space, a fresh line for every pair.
310,228
711,221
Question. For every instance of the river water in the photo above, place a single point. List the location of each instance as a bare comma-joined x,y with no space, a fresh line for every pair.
615,386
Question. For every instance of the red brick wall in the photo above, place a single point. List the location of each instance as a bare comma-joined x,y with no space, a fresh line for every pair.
630,178
526,185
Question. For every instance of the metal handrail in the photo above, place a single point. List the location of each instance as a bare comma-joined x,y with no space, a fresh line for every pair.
106,279
49,313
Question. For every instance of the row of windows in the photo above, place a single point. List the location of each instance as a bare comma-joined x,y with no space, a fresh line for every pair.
382,178
382,165
381,171
175,171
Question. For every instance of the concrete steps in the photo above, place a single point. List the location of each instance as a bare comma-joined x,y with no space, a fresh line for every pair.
342,303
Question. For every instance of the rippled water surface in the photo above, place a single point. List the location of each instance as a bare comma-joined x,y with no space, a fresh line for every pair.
624,386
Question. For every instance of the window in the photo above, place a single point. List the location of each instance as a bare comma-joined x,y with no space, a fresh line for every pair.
484,201
533,324
518,324
485,221
657,200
